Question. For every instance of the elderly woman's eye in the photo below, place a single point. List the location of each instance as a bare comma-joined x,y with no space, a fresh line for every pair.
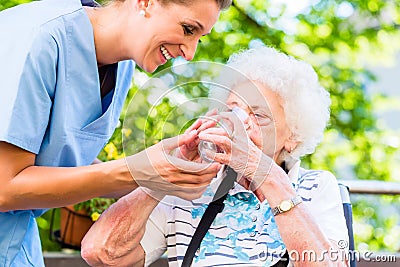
188,29
262,118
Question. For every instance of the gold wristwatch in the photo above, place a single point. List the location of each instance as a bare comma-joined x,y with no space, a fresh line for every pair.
286,205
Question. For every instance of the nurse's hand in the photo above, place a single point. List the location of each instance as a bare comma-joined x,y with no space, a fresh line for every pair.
157,169
189,151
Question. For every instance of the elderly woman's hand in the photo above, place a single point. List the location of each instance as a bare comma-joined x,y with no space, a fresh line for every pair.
156,169
242,151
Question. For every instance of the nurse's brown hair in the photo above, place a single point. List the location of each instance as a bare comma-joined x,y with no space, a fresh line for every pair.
222,4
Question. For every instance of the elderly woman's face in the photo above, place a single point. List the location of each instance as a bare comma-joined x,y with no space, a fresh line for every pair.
268,128
173,30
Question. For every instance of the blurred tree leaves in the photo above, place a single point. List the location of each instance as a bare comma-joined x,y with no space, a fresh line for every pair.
338,38
10,3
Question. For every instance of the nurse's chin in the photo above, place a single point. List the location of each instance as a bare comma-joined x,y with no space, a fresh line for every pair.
151,66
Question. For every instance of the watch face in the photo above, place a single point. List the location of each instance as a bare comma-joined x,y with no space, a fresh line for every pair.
285,205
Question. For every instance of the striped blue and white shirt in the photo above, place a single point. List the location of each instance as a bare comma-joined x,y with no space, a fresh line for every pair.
244,233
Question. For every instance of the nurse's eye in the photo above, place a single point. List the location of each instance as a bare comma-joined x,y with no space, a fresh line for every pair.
188,29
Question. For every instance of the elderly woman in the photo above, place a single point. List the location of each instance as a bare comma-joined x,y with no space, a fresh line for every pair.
276,206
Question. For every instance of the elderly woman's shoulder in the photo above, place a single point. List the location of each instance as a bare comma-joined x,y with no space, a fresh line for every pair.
306,174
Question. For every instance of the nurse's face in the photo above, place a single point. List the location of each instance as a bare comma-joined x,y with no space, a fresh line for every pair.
173,30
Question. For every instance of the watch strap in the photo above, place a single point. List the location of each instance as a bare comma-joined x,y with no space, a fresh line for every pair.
296,200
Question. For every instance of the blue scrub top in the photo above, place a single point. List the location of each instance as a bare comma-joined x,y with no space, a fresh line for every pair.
51,103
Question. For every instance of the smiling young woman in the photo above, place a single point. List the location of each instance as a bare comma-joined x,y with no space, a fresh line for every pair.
166,29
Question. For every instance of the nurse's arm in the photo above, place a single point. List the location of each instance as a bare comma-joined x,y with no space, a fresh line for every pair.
25,186
113,194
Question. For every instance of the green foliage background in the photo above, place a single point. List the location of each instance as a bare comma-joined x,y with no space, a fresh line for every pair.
339,46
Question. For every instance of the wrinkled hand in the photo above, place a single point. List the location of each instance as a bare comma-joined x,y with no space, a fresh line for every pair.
158,170
259,182
114,240
189,150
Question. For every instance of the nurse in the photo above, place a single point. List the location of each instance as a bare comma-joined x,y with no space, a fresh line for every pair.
65,71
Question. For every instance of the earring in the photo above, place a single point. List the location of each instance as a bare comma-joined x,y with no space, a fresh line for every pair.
142,11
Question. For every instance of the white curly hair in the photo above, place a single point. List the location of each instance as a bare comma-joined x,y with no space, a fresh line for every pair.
305,102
